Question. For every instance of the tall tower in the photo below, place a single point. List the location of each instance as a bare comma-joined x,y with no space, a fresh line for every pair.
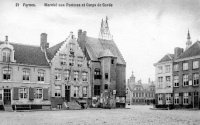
104,30
189,42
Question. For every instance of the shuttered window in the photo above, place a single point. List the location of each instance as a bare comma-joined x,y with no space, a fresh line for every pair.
15,94
45,94
38,93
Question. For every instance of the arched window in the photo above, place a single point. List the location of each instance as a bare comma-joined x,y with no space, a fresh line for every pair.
6,54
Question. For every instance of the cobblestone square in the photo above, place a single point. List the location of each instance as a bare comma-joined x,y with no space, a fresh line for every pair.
132,115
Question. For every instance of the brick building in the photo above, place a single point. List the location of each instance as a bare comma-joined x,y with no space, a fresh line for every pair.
180,70
24,77
186,76
164,81
70,79
107,68
140,93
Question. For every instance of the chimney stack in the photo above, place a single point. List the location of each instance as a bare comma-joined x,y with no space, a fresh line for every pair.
6,39
178,51
43,41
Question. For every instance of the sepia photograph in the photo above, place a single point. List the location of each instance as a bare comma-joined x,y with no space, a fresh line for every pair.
99,62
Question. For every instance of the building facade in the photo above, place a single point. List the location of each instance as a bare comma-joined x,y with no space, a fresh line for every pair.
164,81
24,77
70,79
186,76
81,71
139,93
107,68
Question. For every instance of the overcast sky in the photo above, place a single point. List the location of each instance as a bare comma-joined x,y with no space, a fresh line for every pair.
144,30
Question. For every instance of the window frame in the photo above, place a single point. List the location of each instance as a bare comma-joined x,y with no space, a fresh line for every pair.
176,98
97,90
176,67
167,68
185,66
194,65
97,73
195,79
26,75
58,90
76,75
24,92
185,80
84,76
7,71
37,94
6,52
185,98
41,76
67,75
176,81
85,91
58,76
160,69
76,91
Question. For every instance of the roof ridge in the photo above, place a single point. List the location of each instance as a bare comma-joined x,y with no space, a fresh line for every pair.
22,44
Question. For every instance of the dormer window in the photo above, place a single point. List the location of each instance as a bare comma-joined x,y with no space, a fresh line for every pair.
6,55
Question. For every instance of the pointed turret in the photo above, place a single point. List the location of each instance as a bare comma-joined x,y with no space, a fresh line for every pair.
104,30
189,42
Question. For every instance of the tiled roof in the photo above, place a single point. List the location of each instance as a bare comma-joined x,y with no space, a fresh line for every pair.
53,50
194,50
27,54
95,46
167,57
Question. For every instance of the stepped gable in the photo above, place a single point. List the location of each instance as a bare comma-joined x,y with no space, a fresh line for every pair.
167,57
194,50
95,46
53,50
28,54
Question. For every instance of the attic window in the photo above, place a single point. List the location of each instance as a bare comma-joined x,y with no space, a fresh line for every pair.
6,55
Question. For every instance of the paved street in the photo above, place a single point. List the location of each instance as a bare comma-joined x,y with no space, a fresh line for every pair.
135,115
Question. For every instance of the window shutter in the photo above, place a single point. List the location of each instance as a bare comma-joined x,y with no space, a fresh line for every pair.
31,93
52,90
15,94
45,94
180,99
63,90
189,99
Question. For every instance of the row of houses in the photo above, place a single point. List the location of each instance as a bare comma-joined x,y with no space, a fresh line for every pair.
177,77
139,93
76,71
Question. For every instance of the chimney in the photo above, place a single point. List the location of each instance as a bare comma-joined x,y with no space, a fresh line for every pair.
178,51
6,39
43,41
82,39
